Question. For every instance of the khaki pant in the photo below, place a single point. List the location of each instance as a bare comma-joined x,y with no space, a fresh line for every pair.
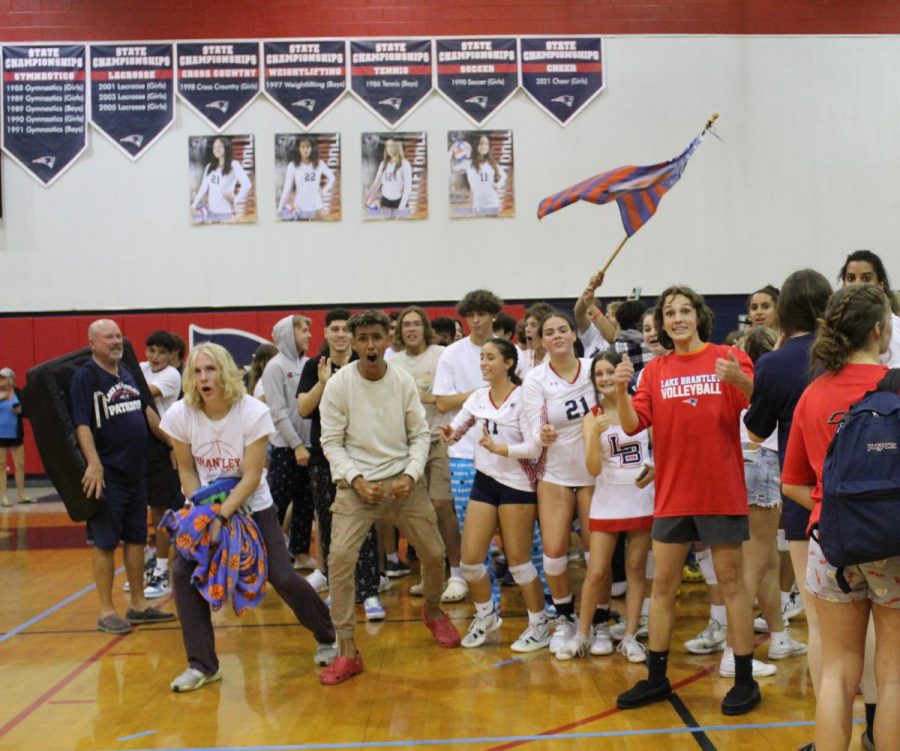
351,520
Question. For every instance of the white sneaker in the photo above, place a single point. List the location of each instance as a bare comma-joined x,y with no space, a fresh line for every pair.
480,628
632,649
533,638
318,581
711,639
417,590
760,669
793,607
784,645
373,608
456,590
576,646
617,630
158,586
601,641
384,584
564,630
192,679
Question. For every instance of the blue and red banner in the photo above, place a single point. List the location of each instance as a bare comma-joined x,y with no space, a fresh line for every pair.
44,107
562,74
218,80
132,93
477,75
391,76
305,79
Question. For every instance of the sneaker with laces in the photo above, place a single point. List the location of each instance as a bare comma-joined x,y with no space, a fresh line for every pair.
384,584
576,646
374,609
784,645
632,650
325,654
793,607
760,669
480,628
601,641
445,633
417,590
149,568
192,679
533,638
158,586
564,630
397,570
318,581
456,590
711,639
617,630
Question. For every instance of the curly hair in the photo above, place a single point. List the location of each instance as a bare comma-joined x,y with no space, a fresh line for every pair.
706,319
229,375
851,315
480,301
366,318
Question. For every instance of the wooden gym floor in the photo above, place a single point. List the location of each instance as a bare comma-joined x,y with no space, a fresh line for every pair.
64,685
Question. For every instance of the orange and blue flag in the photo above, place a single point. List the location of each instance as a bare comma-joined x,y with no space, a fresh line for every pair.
637,190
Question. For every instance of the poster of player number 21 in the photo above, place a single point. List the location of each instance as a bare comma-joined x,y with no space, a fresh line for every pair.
481,173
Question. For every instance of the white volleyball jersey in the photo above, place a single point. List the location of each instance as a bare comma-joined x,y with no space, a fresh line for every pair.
485,185
616,496
550,399
505,423
306,182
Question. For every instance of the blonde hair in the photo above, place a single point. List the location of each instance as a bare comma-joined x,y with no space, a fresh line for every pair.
229,375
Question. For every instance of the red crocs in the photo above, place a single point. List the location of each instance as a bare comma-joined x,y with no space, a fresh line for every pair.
445,633
342,669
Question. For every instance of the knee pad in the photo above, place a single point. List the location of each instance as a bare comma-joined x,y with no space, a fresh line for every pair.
704,560
523,573
473,572
556,566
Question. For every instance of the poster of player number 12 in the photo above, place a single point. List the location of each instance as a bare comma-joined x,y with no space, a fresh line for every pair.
481,173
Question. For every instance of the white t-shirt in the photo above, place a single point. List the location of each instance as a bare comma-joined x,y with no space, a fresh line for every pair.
505,423
168,381
458,372
592,341
422,369
551,399
891,358
218,445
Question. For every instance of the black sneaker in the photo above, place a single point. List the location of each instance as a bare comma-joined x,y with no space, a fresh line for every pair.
644,693
741,699
396,570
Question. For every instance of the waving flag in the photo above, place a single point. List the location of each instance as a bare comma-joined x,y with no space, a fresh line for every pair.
637,190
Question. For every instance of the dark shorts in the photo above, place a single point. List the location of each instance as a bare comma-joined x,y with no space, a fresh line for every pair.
10,443
487,490
390,203
794,520
123,515
710,530
164,490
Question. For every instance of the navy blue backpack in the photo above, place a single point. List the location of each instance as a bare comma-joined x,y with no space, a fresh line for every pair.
860,516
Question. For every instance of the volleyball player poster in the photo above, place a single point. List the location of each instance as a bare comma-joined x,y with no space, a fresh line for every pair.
308,177
395,176
481,173
222,174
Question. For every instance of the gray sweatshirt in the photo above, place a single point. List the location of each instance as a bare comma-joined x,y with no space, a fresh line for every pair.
280,380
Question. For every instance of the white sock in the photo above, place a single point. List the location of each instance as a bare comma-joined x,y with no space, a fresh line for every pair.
603,607
718,613
484,609
162,566
393,557
536,619
563,600
456,572
645,607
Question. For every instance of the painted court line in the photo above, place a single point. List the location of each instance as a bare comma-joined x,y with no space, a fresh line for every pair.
136,735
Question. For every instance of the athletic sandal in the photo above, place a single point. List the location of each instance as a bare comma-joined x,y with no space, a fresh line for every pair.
113,624
148,615
192,679
644,693
445,633
741,699
342,669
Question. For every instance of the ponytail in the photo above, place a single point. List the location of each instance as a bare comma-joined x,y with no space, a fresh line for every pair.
507,351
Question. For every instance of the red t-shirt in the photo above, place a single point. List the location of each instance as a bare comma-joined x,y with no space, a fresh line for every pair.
696,435
811,432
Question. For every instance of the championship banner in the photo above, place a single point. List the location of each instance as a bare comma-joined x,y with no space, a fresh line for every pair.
305,79
395,175
477,75
218,80
391,76
308,177
132,94
481,173
44,107
561,74
222,172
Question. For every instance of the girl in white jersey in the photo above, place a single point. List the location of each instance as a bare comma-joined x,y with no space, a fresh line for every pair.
304,177
393,179
622,502
558,394
503,491
487,179
220,176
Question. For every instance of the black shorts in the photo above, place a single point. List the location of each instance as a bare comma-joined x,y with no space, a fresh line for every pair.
123,514
164,490
487,490
710,530
10,443
390,203
794,520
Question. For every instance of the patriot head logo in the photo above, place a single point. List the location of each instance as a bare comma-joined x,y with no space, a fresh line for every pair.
307,104
46,161
393,101
219,104
692,401
566,99
135,139
480,101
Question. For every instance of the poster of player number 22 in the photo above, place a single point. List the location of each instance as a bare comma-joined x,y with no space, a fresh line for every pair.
481,173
